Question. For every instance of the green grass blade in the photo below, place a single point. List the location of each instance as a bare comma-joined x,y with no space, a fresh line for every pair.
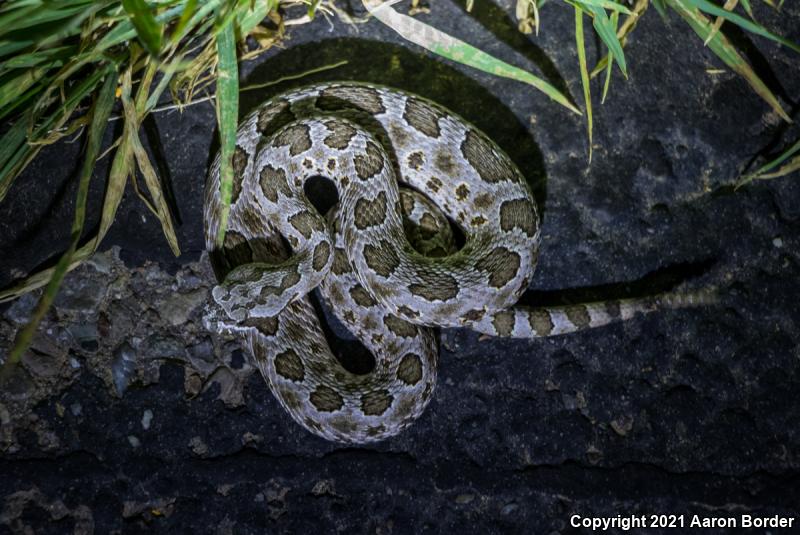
251,18
52,57
147,28
587,97
188,10
101,110
608,34
17,85
607,83
708,7
454,49
723,48
227,118
606,4
25,152
661,7
763,172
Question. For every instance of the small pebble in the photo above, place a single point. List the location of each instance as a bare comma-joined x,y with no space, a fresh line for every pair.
133,441
777,242
147,417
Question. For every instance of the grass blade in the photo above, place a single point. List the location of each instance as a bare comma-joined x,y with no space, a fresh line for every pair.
730,5
454,49
587,97
723,48
25,152
763,171
606,4
147,28
101,110
154,186
752,27
608,34
227,118
614,21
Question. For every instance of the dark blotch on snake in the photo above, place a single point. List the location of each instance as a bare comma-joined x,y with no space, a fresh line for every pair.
480,153
416,160
422,117
341,264
501,264
368,213
362,297
382,259
289,280
296,136
273,116
375,430
503,323
239,164
612,309
289,365
540,322
266,326
407,312
326,399
306,223
272,182
361,98
434,184
434,286
321,254
475,314
252,220
410,369
376,403
578,315
444,162
399,327
370,162
518,213
340,135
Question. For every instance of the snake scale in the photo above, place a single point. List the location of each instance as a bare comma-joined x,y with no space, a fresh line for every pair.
384,258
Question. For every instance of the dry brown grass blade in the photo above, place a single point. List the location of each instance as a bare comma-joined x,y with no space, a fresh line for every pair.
623,32
725,50
730,5
149,174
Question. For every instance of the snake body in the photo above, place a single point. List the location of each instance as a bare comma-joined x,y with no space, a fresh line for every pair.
384,258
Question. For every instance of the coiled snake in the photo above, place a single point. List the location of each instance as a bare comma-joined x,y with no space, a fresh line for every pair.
384,258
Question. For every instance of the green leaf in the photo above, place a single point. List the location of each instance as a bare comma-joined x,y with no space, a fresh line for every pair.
661,7
147,28
614,21
454,49
763,171
24,152
607,4
708,7
227,118
587,97
101,110
722,47
608,34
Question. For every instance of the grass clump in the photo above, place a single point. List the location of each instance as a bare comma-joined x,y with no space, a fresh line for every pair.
64,66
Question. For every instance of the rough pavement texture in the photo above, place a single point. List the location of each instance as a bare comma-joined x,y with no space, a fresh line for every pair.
126,416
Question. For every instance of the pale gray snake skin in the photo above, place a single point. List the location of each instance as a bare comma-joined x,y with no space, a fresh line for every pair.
384,258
